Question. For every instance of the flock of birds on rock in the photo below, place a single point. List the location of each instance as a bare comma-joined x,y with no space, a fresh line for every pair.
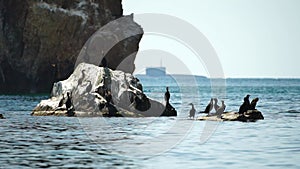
213,104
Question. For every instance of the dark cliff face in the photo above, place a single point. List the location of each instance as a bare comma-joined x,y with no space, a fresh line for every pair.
40,40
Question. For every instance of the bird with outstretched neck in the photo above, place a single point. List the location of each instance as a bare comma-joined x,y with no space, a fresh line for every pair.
221,108
209,107
253,103
69,105
192,111
216,106
245,106
167,96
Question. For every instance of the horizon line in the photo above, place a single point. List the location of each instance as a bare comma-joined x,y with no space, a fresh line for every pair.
245,77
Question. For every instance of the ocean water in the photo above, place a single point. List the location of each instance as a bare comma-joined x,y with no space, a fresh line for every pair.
164,142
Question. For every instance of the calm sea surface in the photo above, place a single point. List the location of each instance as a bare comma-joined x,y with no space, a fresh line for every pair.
166,142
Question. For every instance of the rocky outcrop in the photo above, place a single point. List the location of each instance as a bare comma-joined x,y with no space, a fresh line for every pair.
98,91
40,40
249,116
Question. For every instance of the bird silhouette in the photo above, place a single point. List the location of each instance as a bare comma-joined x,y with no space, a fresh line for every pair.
216,106
221,108
89,87
245,106
62,101
253,103
81,78
167,95
69,101
209,107
192,111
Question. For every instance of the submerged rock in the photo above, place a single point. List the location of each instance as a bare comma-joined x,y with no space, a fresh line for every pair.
249,116
98,91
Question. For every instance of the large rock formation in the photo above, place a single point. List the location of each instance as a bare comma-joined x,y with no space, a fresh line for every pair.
98,91
40,40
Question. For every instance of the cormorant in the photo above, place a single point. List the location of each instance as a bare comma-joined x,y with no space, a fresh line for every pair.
89,87
216,106
167,95
62,101
253,103
245,106
108,97
69,101
221,109
209,107
192,111
69,105
82,77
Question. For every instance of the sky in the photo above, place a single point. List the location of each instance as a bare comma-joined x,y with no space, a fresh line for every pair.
252,38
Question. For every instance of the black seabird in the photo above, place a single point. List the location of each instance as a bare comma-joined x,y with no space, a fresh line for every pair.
253,103
167,95
192,111
245,106
209,107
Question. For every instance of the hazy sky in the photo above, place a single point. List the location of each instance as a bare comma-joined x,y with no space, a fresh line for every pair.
252,38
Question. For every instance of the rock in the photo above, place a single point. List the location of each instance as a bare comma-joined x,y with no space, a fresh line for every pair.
249,116
209,118
98,91
40,40
229,116
1,116
169,110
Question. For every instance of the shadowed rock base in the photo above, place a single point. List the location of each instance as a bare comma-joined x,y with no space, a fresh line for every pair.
249,116
169,110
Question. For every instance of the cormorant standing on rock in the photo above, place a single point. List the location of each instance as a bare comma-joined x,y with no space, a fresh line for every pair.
245,106
221,109
69,105
253,103
62,101
216,106
89,87
108,97
192,111
167,95
209,107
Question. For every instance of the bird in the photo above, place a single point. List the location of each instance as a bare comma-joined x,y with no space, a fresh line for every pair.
221,109
209,107
62,101
253,103
82,77
245,106
192,111
89,86
216,106
167,95
69,101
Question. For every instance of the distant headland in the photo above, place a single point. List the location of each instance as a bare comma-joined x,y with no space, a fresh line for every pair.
161,72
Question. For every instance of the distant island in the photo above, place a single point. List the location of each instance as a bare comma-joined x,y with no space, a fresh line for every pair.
160,72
